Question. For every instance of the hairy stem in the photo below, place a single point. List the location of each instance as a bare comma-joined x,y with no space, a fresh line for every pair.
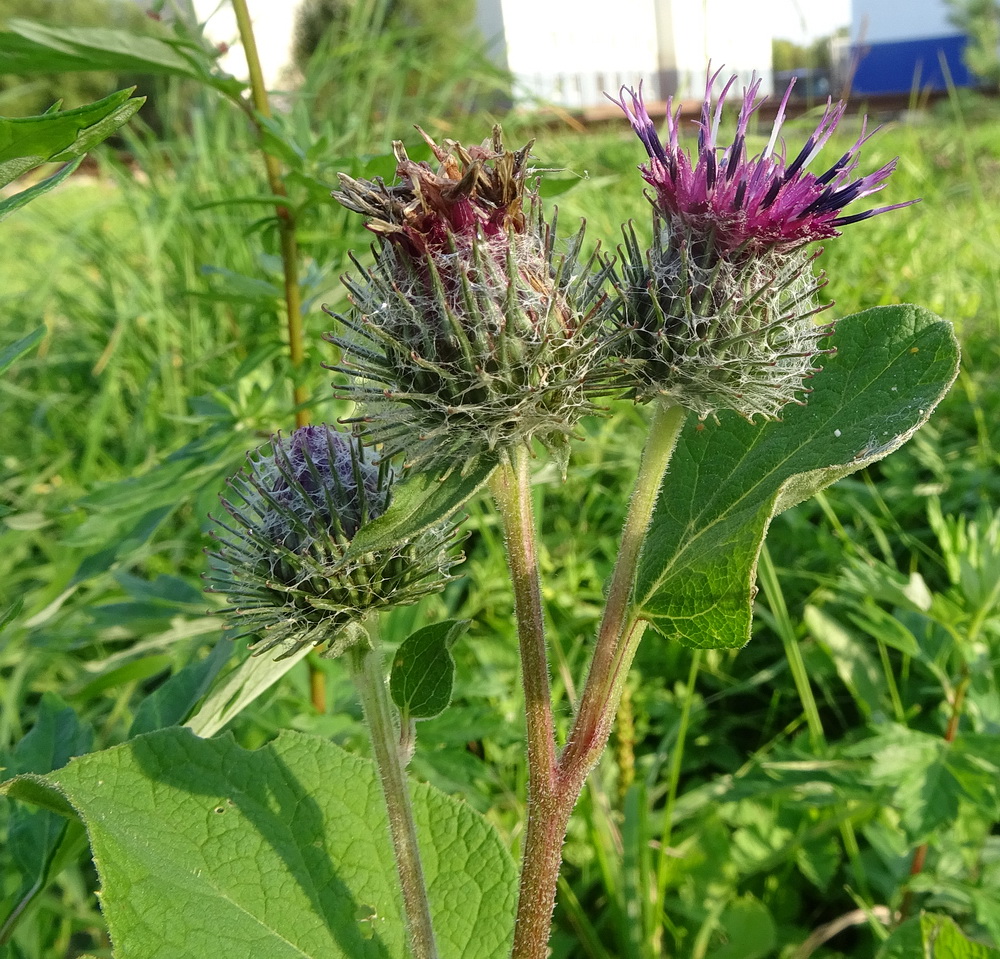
511,489
619,633
370,680
555,786
547,817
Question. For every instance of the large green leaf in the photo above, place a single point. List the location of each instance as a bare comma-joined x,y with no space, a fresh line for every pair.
727,479
207,849
931,936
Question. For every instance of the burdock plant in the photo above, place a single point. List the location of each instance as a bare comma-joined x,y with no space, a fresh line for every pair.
473,337
476,332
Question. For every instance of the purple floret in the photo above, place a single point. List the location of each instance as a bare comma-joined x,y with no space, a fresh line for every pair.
750,204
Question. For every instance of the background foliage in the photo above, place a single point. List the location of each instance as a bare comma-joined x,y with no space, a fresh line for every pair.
980,20
753,798
24,96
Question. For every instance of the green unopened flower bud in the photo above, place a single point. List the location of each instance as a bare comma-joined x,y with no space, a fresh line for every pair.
283,561
469,334
714,331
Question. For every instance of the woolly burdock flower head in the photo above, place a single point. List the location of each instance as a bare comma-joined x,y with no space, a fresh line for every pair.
283,559
469,334
719,312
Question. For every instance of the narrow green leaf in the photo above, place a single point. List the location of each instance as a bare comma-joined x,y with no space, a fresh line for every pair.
62,135
279,143
15,202
881,624
727,479
17,349
855,665
253,677
253,288
419,502
131,671
31,45
8,615
251,199
28,48
172,702
204,848
423,670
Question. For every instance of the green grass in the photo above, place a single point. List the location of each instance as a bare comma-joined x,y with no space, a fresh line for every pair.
757,805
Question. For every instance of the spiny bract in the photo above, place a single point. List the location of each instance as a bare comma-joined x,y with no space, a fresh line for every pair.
469,334
283,558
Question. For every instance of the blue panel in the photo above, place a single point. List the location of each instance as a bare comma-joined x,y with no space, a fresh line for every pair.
894,67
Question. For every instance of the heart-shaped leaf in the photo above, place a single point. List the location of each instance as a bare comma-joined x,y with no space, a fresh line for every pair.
207,849
423,670
727,479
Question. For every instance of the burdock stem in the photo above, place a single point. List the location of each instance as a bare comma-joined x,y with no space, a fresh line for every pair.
369,678
547,816
620,631
554,786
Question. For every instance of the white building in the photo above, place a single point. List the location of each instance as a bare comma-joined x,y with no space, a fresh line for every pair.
566,52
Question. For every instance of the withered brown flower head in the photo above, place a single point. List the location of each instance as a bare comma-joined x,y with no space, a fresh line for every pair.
470,334
477,192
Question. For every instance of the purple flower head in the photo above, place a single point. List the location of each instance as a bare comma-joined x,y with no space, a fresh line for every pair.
283,556
322,472
755,203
